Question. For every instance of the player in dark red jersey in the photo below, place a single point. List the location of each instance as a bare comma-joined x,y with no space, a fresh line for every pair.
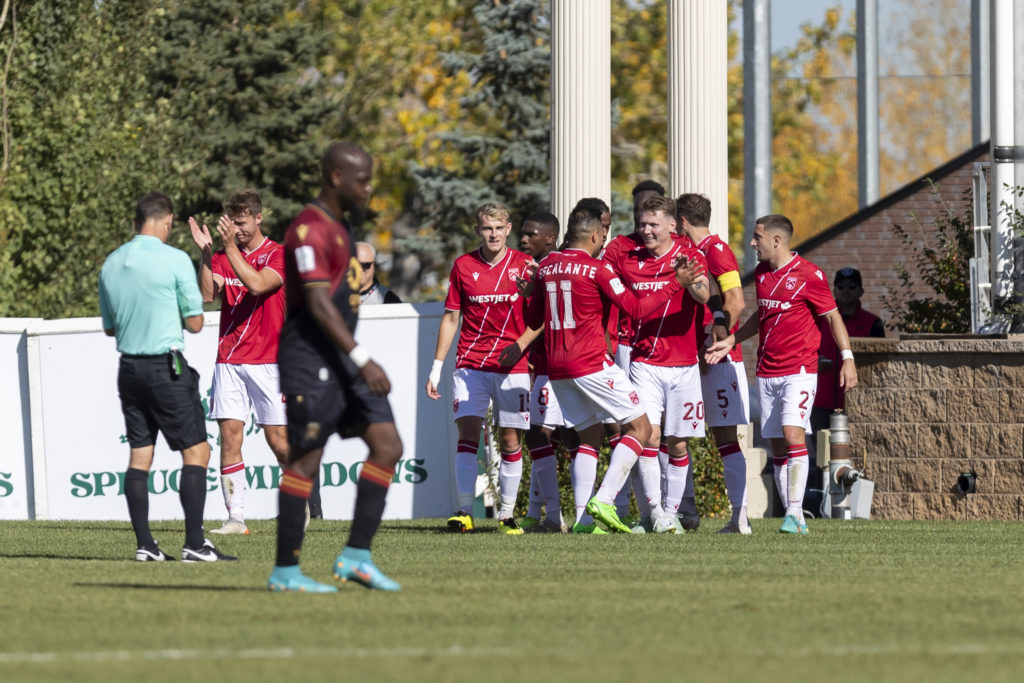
571,305
484,294
724,384
248,276
330,383
664,366
791,293
537,239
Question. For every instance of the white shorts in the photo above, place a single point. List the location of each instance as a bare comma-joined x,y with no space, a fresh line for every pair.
593,398
544,408
475,389
623,354
238,389
674,392
786,401
726,395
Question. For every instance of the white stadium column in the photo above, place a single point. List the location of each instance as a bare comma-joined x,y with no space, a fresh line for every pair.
580,103
698,106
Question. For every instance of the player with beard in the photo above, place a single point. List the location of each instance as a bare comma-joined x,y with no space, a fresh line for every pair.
792,293
577,292
724,384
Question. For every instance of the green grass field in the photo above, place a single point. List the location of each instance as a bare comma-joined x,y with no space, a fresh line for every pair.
854,601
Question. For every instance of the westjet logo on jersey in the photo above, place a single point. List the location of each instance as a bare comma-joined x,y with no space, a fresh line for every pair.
647,286
494,298
233,281
771,304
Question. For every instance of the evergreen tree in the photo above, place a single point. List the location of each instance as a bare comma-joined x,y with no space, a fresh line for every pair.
502,146
248,102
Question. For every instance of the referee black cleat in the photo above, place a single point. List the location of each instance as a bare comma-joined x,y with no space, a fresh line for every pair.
208,553
153,554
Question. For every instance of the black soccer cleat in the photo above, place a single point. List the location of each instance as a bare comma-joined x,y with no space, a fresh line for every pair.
207,553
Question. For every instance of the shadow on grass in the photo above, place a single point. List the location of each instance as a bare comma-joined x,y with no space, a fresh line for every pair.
45,556
173,587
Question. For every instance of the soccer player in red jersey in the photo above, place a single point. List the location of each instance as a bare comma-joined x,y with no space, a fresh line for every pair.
664,364
791,293
248,276
537,239
724,384
571,305
330,383
484,294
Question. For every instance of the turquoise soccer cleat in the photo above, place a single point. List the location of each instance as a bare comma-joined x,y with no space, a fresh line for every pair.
790,526
354,564
292,580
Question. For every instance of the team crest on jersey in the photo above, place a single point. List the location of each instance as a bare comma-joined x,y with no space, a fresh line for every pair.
634,398
262,259
513,273
302,231
476,276
791,282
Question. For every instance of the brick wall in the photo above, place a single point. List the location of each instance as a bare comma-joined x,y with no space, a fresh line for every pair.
927,411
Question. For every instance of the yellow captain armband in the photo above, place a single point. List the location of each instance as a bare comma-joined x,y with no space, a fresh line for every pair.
727,281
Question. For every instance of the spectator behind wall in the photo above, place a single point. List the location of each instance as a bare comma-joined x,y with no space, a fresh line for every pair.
848,288
370,290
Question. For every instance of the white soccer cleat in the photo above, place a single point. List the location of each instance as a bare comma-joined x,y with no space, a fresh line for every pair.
232,526
667,524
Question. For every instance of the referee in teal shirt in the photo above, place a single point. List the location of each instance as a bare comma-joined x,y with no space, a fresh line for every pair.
148,292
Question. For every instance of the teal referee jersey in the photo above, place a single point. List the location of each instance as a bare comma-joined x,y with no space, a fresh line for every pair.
147,288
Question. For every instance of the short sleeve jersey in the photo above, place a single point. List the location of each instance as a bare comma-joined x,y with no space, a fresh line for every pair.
318,253
250,324
146,287
723,267
667,335
576,291
788,301
492,309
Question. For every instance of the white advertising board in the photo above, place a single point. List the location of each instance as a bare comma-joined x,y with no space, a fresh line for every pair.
15,464
80,454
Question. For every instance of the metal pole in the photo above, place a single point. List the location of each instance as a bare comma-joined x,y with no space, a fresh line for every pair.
867,102
757,120
1004,152
980,76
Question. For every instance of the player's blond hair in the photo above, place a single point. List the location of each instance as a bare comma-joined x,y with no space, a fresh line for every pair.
492,210
656,204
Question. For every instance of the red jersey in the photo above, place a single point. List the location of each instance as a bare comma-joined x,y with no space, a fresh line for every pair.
665,336
317,253
860,324
788,299
721,261
491,306
576,292
621,325
250,325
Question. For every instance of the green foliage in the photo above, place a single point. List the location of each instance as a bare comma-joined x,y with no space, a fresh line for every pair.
247,100
80,139
942,253
502,144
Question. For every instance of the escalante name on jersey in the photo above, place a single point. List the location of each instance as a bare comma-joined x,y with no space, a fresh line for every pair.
569,268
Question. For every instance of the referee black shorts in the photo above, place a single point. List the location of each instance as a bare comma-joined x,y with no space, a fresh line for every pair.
154,398
332,407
